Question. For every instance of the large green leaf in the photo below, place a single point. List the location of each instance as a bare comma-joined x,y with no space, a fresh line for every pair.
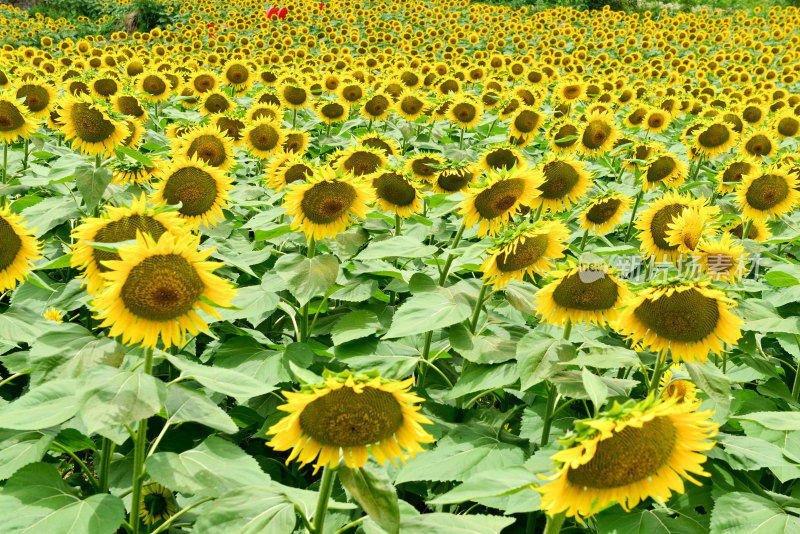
69,350
238,385
91,184
396,247
307,278
428,311
749,453
540,356
44,406
19,448
490,483
373,490
714,383
247,510
772,420
355,325
455,524
183,404
36,500
745,513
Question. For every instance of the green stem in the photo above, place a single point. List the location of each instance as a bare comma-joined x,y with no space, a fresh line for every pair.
107,451
461,139
25,156
489,131
83,467
98,161
538,212
657,372
746,229
473,324
633,215
165,525
552,400
325,488
451,256
554,523
398,224
350,525
5,161
12,377
138,456
796,385
583,240
156,121
312,248
567,329
294,118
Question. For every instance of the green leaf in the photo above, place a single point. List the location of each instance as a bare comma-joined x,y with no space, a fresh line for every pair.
748,453
396,247
110,397
247,510
746,513
49,213
428,311
91,184
772,420
482,348
307,278
134,154
211,469
781,279
595,388
475,377
714,383
237,384
36,500
44,406
606,357
183,404
373,491
21,325
540,356
455,524
355,325
615,520
491,483
521,295
22,448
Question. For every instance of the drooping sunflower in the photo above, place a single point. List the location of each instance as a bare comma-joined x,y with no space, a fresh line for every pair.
129,171
288,168
130,106
396,193
588,294
597,134
296,141
723,258
664,168
15,120
18,249
502,157
679,389
115,225
200,188
361,160
653,223
350,417
566,180
730,176
690,228
492,205
155,288
263,137
564,137
465,112
759,231
153,86
158,504
690,319
627,454
422,166
210,145
214,102
454,179
385,144
604,212
758,144
714,138
90,127
326,205
766,193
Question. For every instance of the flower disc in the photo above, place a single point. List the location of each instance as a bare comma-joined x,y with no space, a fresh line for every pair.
202,190
502,158
376,107
731,175
263,138
603,213
598,134
715,139
18,249
395,193
361,161
758,145
326,202
38,98
767,194
422,167
161,288
13,121
90,127
209,145
452,180
564,182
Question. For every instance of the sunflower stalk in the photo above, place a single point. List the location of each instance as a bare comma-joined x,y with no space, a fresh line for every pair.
552,400
633,214
746,230
657,372
796,385
473,324
583,240
138,456
554,523
451,256
25,155
325,488
107,451
304,331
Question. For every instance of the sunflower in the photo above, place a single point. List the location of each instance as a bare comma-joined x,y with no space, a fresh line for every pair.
293,95
19,249
758,144
39,98
296,141
502,157
210,145
628,453
768,193
155,287
566,180
396,194
135,132
504,194
231,127
654,223
786,124
214,102
422,166
753,114
15,120
564,137
153,86
598,134
379,141
758,230
91,129
203,81
115,225
129,171
263,137
350,417
569,91
723,258
104,86
454,179
640,153
238,76
200,188
265,111
410,105
327,203
687,318
689,229
730,176
130,106
288,168
526,121
683,391
158,504
360,160
377,107
330,111
351,92
664,168
656,121
588,294
604,212
465,112
714,138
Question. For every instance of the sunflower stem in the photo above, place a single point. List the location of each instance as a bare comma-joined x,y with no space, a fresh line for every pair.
473,324
567,329
398,224
633,214
461,139
489,131
294,117
451,256
538,213
657,372
138,456
83,467
325,488
5,161
796,385
583,240
25,156
746,229
552,400
107,451
554,522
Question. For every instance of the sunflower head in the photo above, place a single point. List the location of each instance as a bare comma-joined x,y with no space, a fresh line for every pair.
604,212
130,106
214,102
288,168
424,166
730,176
350,417
331,111
18,249
680,389
15,120
200,188
153,86
664,168
564,136
361,160
376,107
158,504
385,144
396,193
457,178
770,192
296,141
464,112
566,180
598,134
90,127
502,158
653,223
723,258
210,145
689,229
264,137
492,204
714,138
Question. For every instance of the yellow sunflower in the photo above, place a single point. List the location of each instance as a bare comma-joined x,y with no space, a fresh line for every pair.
209,145
768,193
653,223
465,112
361,160
264,137
588,294
296,141
526,121
379,141
155,288
723,258
604,212
689,229
714,138
130,106
730,176
331,111
153,86
158,504
201,189
115,225
504,194
214,102
598,134
238,76
326,205
18,251
396,193
786,124
411,105
679,389
664,168
89,127
454,179
38,97
502,157
566,180
293,95
129,171
689,319
627,454
15,120
423,166
759,231
288,168
564,136
656,121
350,417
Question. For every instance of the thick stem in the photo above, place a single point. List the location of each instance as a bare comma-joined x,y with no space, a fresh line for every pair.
473,324
294,118
398,224
138,456
552,399
25,156
657,372
325,488
461,139
567,329
107,451
746,229
5,161
796,385
451,256
583,240
554,523
633,215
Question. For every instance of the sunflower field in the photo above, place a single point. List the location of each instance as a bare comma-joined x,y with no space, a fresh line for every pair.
393,267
